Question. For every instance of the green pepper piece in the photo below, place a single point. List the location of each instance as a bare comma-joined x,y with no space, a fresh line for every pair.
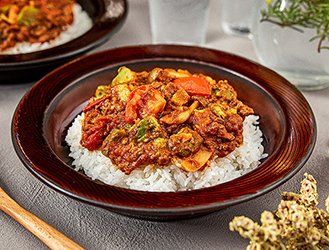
100,91
123,91
217,110
124,75
160,142
27,15
146,124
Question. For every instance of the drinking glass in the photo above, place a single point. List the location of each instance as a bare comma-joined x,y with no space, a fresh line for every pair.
179,21
236,16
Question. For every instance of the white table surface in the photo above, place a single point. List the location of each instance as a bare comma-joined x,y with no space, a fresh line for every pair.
95,228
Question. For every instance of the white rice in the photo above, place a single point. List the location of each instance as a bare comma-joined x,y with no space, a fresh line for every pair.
172,178
81,24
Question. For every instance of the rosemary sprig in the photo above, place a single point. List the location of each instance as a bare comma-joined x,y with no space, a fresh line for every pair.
299,14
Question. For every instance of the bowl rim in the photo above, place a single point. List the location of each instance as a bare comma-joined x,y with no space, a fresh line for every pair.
167,52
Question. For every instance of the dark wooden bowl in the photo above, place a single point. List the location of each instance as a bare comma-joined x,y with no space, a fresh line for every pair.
45,112
107,16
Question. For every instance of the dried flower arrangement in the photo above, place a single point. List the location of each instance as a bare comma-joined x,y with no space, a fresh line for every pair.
296,224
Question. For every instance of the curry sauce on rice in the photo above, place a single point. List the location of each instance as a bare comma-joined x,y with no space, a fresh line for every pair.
165,130
38,21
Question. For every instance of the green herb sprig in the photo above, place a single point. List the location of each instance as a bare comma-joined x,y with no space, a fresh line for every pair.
298,14
296,224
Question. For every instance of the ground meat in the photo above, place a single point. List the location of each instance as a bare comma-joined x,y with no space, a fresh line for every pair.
165,126
234,123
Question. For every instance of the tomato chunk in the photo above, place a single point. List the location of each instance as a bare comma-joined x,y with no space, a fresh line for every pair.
93,139
194,85
144,101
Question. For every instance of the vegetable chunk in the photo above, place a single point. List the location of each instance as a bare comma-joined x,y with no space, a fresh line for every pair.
194,85
163,117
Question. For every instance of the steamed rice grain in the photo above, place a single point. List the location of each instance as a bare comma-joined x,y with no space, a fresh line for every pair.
171,178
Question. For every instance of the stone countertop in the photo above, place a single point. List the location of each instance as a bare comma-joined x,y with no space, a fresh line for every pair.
95,228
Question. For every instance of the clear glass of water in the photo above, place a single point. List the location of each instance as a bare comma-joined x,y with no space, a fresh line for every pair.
179,21
236,16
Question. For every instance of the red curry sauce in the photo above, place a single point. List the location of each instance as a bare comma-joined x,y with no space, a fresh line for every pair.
164,117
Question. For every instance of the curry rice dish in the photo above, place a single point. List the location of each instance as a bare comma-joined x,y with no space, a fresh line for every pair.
28,26
165,130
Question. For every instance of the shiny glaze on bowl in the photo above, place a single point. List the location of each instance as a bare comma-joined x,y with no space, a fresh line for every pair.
45,112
